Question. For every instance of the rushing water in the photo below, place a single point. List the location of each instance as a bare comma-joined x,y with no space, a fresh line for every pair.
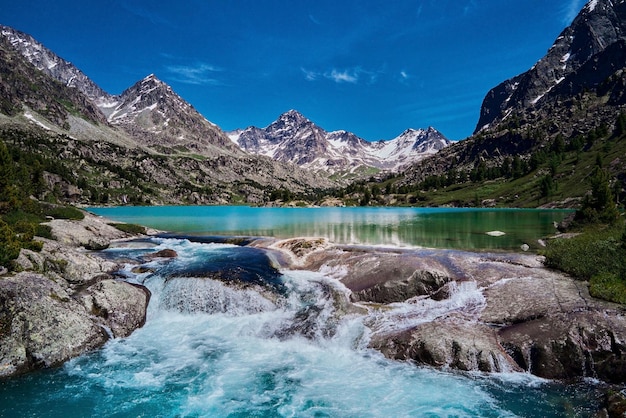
425,227
270,345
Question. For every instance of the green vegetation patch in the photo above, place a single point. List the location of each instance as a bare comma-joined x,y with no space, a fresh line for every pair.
608,286
64,212
591,253
597,255
130,228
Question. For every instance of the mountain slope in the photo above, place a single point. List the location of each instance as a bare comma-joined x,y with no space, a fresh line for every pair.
294,138
599,25
22,85
552,121
153,146
50,63
152,113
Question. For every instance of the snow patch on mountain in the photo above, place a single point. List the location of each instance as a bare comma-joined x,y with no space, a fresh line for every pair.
294,138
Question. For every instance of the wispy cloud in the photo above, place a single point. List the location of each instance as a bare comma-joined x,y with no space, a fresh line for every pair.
344,76
200,74
469,7
353,75
571,9
314,20
309,75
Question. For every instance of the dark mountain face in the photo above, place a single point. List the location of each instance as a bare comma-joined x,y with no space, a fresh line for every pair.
21,84
48,62
576,90
582,57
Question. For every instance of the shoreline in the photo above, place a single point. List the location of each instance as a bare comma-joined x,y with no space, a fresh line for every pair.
501,335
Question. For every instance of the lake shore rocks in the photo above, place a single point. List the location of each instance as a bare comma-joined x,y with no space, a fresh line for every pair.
488,312
64,302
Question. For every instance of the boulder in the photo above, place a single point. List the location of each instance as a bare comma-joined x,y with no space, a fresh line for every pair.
64,303
421,282
41,325
165,253
448,343
570,345
120,306
92,232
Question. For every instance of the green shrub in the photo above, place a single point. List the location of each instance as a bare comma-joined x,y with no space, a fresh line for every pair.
586,255
64,212
9,245
44,231
130,228
595,255
608,286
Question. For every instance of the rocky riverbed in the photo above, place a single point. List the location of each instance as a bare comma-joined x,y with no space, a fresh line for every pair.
488,312
64,301
473,311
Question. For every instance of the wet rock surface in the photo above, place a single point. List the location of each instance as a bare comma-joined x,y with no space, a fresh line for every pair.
64,303
477,311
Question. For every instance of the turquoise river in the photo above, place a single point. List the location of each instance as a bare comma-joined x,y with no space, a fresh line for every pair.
212,350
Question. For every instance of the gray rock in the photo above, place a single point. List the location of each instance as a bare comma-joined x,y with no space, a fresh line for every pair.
120,306
421,282
65,303
571,345
450,343
518,315
41,325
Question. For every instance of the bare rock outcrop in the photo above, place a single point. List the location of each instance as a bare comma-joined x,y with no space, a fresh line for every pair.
477,311
41,325
449,343
64,303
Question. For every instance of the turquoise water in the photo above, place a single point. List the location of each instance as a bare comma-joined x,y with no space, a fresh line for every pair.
424,227
212,350
275,347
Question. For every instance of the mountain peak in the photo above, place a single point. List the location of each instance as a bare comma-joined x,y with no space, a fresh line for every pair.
151,78
294,138
598,26
293,115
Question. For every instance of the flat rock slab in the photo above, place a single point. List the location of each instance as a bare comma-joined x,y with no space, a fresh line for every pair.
516,315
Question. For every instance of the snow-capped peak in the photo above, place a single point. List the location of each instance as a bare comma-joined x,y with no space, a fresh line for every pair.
294,138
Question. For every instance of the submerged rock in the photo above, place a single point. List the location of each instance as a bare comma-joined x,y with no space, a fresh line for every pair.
166,253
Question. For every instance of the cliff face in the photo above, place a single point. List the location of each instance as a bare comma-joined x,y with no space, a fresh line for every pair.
583,56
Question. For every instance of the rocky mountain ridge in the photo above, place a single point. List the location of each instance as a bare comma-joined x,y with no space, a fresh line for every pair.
575,91
157,118
146,144
294,138
598,26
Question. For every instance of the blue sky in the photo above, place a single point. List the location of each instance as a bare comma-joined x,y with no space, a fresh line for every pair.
371,67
